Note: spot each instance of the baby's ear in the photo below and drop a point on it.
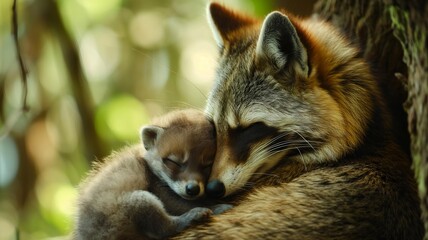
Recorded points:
(149, 135)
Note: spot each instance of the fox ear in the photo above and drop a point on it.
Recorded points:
(224, 21)
(149, 135)
(279, 44)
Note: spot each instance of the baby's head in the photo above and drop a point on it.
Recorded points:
(180, 149)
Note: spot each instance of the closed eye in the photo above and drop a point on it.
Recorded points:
(253, 132)
(243, 137)
(170, 161)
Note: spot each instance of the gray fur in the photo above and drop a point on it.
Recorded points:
(137, 213)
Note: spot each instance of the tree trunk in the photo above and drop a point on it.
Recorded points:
(392, 34)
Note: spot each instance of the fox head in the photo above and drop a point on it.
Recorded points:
(285, 90)
(180, 149)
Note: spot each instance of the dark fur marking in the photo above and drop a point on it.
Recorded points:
(242, 138)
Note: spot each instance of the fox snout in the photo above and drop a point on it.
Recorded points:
(215, 189)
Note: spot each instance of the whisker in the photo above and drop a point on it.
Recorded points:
(303, 160)
(281, 150)
(247, 186)
(267, 174)
(280, 136)
(303, 138)
(283, 147)
(264, 145)
(260, 152)
(287, 143)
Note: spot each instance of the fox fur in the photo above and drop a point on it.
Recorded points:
(304, 142)
(146, 193)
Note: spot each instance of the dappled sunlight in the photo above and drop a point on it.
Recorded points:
(40, 146)
(65, 201)
(63, 125)
(98, 9)
(100, 51)
(9, 161)
(155, 70)
(56, 198)
(8, 229)
(198, 63)
(147, 29)
(52, 68)
(120, 118)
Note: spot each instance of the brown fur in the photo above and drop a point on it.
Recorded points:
(355, 182)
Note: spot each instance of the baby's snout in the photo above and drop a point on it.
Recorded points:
(194, 189)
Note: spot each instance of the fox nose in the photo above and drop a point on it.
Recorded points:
(192, 189)
(215, 189)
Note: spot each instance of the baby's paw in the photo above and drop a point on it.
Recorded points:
(194, 215)
(221, 208)
(198, 214)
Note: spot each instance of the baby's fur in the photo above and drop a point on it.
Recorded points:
(141, 193)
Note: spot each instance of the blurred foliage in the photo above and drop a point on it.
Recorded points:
(138, 59)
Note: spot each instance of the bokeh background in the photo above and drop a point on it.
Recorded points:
(98, 71)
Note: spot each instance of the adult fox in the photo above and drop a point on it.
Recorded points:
(301, 122)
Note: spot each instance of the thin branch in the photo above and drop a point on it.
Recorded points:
(11, 121)
(22, 67)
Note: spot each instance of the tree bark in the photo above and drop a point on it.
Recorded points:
(392, 34)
